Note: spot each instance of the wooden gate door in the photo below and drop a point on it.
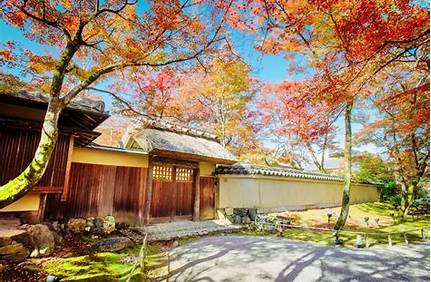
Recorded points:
(207, 197)
(173, 193)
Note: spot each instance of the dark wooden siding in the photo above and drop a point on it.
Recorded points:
(99, 190)
(17, 148)
(207, 197)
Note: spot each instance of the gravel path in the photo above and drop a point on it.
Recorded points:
(246, 258)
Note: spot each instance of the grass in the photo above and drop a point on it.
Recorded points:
(103, 266)
(99, 267)
(380, 229)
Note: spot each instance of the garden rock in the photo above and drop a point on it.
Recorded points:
(252, 213)
(114, 244)
(175, 244)
(221, 214)
(12, 248)
(237, 219)
(42, 239)
(246, 220)
(240, 211)
(108, 224)
(22, 237)
(230, 218)
(228, 211)
(76, 225)
(12, 251)
(98, 226)
(4, 241)
(89, 224)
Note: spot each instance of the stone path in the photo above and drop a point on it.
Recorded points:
(180, 229)
(244, 258)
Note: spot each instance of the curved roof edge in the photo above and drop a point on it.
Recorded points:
(251, 169)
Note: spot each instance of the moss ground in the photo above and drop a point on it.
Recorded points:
(380, 223)
(100, 266)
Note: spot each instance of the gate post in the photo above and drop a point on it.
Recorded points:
(197, 193)
(149, 194)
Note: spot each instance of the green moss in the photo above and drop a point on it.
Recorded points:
(376, 208)
(381, 211)
(106, 266)
(100, 267)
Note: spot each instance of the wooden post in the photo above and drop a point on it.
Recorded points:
(405, 238)
(142, 196)
(174, 194)
(422, 234)
(216, 196)
(42, 205)
(149, 193)
(389, 240)
(65, 193)
(196, 213)
(367, 243)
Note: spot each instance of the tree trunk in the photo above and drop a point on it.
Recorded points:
(342, 218)
(320, 165)
(23, 183)
(407, 198)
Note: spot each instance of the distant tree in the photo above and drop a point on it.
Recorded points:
(10, 83)
(372, 168)
(93, 40)
(218, 98)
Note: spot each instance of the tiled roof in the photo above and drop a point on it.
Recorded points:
(250, 169)
(78, 103)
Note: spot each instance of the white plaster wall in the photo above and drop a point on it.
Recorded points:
(278, 193)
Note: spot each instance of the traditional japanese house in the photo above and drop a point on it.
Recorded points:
(21, 116)
(164, 173)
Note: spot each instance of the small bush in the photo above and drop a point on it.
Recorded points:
(389, 191)
(422, 201)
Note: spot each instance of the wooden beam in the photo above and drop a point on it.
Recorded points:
(196, 209)
(174, 162)
(216, 195)
(67, 173)
(142, 192)
(149, 193)
(48, 189)
(42, 205)
(190, 157)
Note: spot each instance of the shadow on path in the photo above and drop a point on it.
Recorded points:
(246, 258)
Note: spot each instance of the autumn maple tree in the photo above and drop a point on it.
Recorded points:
(300, 124)
(402, 130)
(89, 41)
(218, 99)
(349, 45)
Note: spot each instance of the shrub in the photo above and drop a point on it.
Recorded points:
(389, 191)
(422, 201)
